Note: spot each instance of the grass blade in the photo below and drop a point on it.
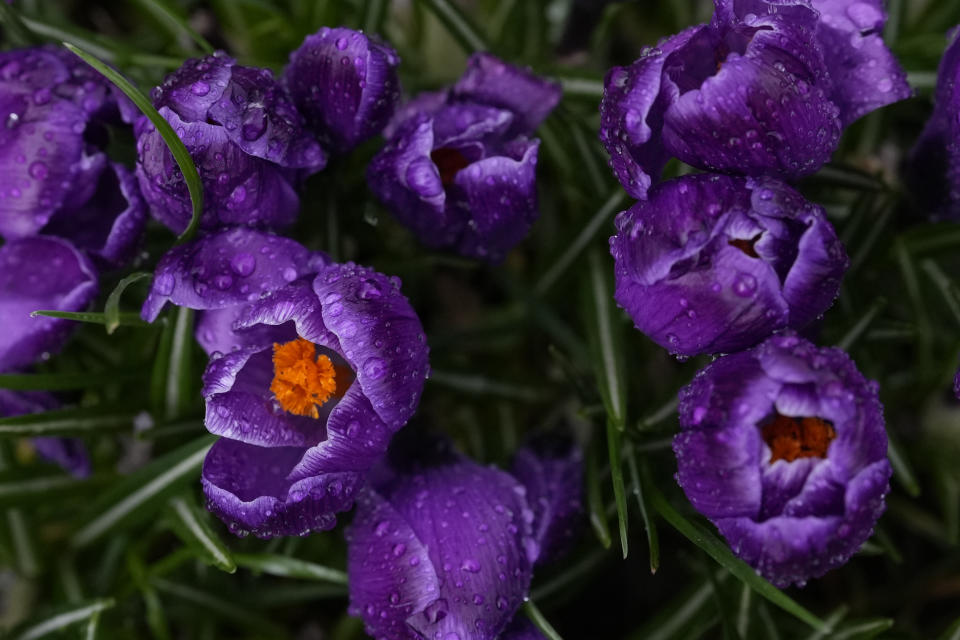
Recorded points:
(33, 491)
(180, 385)
(92, 317)
(177, 26)
(598, 515)
(567, 258)
(14, 29)
(952, 632)
(606, 342)
(111, 310)
(60, 621)
(374, 11)
(66, 422)
(61, 381)
(863, 630)
(725, 558)
(461, 28)
(653, 539)
(902, 470)
(135, 496)
(614, 445)
(224, 608)
(537, 618)
(176, 146)
(287, 567)
(190, 524)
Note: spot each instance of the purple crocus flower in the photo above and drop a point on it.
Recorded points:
(458, 169)
(933, 169)
(57, 180)
(69, 453)
(40, 273)
(783, 448)
(440, 550)
(336, 366)
(713, 264)
(765, 88)
(245, 136)
(345, 85)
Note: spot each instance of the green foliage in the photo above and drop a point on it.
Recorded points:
(532, 343)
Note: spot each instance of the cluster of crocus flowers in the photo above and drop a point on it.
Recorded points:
(443, 547)
(66, 210)
(459, 167)
(782, 445)
(764, 89)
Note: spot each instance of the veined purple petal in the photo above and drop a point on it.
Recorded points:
(345, 84)
(227, 268)
(440, 550)
(40, 273)
(783, 447)
(715, 264)
(491, 81)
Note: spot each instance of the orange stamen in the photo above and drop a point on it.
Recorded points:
(792, 438)
(303, 381)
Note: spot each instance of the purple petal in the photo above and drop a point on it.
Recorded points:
(40, 273)
(473, 523)
(195, 87)
(865, 74)
(426, 102)
(552, 472)
(226, 268)
(345, 84)
(70, 453)
(238, 188)
(216, 334)
(491, 81)
(521, 629)
(110, 224)
(41, 147)
(249, 488)
(631, 115)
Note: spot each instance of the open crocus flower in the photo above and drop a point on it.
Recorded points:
(713, 264)
(220, 273)
(57, 180)
(69, 453)
(441, 551)
(783, 447)
(934, 164)
(765, 88)
(458, 169)
(40, 273)
(345, 85)
(245, 136)
(307, 408)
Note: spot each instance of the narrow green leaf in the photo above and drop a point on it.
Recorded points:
(43, 489)
(191, 526)
(287, 567)
(161, 367)
(598, 515)
(537, 618)
(25, 553)
(60, 621)
(606, 342)
(111, 310)
(616, 476)
(744, 612)
(847, 177)
(177, 26)
(952, 632)
(570, 254)
(862, 324)
(676, 617)
(863, 630)
(90, 631)
(461, 28)
(581, 87)
(653, 539)
(374, 11)
(62, 381)
(128, 319)
(725, 558)
(180, 385)
(156, 618)
(229, 610)
(902, 470)
(569, 576)
(290, 593)
(65, 422)
(176, 146)
(136, 496)
(480, 385)
(948, 289)
(836, 617)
